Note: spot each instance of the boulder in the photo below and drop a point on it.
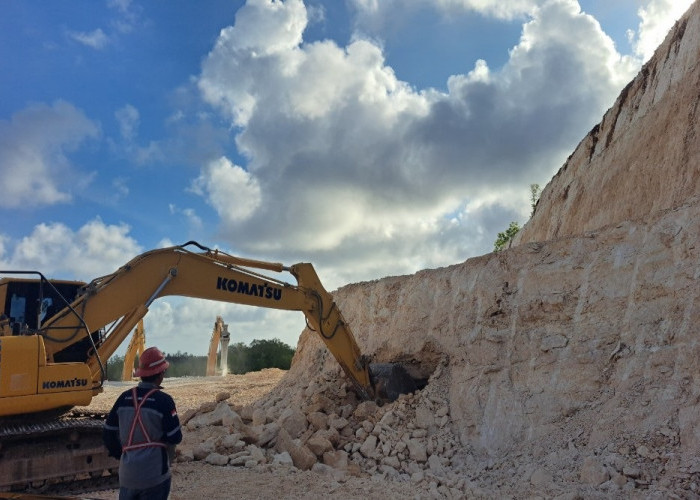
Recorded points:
(293, 421)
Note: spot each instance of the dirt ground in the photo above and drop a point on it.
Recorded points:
(201, 480)
(190, 392)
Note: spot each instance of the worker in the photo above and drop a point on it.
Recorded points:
(142, 430)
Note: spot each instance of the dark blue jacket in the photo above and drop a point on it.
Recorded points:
(144, 464)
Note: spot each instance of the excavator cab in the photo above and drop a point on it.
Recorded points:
(26, 302)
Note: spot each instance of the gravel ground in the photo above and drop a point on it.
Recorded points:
(201, 480)
(190, 392)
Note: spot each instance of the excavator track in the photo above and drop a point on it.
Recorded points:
(37, 456)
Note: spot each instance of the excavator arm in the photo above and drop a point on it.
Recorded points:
(117, 302)
(221, 336)
(136, 346)
(214, 346)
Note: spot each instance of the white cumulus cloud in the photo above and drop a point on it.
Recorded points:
(361, 164)
(57, 251)
(231, 190)
(34, 153)
(657, 18)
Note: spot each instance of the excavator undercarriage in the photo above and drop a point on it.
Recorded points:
(47, 450)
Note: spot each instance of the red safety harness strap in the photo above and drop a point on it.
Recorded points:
(130, 445)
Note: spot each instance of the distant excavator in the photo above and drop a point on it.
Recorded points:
(220, 335)
(137, 345)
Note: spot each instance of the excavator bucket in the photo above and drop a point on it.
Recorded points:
(390, 380)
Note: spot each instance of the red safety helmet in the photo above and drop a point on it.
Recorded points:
(151, 362)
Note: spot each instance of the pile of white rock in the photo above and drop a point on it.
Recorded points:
(332, 432)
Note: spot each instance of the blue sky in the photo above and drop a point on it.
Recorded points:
(369, 137)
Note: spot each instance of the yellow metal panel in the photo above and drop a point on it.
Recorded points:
(18, 365)
(41, 402)
(64, 377)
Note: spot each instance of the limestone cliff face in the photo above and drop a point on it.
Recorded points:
(602, 329)
(573, 356)
(642, 157)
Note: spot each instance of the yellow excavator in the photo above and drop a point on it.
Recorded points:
(219, 335)
(136, 346)
(55, 337)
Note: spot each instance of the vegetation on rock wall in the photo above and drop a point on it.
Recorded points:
(506, 236)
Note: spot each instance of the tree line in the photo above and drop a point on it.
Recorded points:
(241, 359)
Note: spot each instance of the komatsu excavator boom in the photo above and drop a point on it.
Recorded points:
(55, 336)
(58, 360)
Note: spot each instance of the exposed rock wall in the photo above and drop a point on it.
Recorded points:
(642, 157)
(566, 365)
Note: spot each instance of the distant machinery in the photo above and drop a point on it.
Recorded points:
(137, 345)
(221, 336)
